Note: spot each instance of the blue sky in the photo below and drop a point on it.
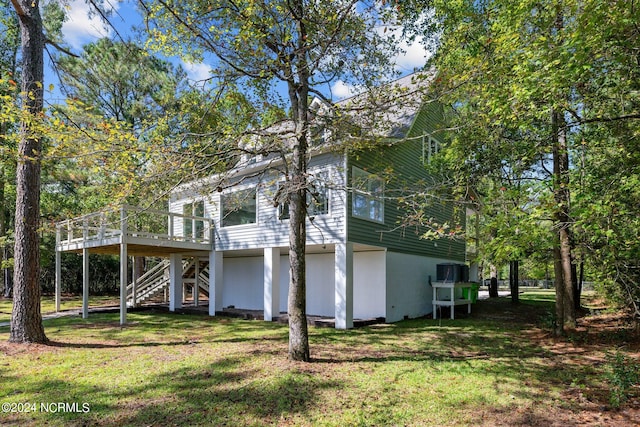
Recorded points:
(82, 27)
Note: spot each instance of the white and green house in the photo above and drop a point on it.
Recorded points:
(230, 244)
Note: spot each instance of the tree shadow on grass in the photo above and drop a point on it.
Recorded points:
(224, 393)
(227, 392)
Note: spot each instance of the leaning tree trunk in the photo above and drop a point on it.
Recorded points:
(26, 319)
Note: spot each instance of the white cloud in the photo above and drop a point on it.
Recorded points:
(411, 55)
(81, 26)
(341, 90)
(197, 72)
(414, 55)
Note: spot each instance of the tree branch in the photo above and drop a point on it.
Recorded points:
(60, 48)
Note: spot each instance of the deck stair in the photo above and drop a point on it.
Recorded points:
(155, 282)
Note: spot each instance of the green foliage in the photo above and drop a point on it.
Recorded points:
(122, 81)
(623, 373)
(503, 68)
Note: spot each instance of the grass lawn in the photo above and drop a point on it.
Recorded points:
(498, 366)
(48, 304)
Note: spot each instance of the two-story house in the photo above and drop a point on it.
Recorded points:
(362, 260)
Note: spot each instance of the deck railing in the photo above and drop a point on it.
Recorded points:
(134, 222)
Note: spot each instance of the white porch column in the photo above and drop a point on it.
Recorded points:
(85, 270)
(196, 284)
(134, 281)
(271, 283)
(215, 281)
(123, 282)
(344, 285)
(124, 253)
(85, 283)
(175, 281)
(58, 269)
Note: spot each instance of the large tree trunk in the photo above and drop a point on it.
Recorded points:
(298, 95)
(298, 333)
(558, 327)
(26, 319)
(563, 222)
(493, 282)
(6, 292)
(514, 280)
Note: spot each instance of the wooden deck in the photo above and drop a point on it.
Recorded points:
(146, 232)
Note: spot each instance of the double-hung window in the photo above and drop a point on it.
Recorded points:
(430, 147)
(191, 227)
(239, 207)
(317, 200)
(368, 195)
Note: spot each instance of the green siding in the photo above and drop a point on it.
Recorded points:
(401, 163)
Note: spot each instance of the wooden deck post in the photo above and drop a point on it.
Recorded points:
(271, 283)
(344, 285)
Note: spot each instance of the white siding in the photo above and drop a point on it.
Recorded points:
(243, 283)
(408, 290)
(369, 284)
(269, 231)
(320, 284)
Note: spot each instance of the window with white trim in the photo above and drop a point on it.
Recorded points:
(368, 195)
(189, 225)
(317, 200)
(430, 147)
(239, 208)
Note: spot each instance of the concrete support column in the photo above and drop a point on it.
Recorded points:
(215, 282)
(271, 283)
(85, 283)
(344, 285)
(175, 281)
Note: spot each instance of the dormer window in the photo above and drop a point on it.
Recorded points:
(430, 147)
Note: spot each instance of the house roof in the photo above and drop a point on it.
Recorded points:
(388, 110)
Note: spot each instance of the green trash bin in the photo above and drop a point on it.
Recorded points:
(474, 292)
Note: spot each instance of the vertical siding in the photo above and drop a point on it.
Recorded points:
(404, 162)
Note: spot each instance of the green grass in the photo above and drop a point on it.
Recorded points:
(48, 305)
(170, 369)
